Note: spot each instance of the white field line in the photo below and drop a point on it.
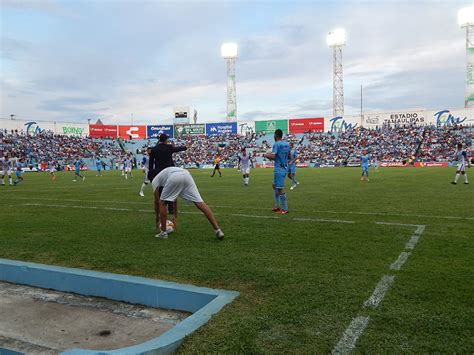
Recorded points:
(266, 209)
(411, 244)
(380, 290)
(184, 212)
(322, 220)
(402, 258)
(401, 225)
(349, 339)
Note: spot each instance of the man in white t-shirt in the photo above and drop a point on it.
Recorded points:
(176, 182)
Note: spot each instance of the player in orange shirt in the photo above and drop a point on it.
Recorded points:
(217, 167)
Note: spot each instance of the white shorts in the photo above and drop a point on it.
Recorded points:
(461, 167)
(52, 170)
(128, 170)
(246, 170)
(180, 184)
(7, 172)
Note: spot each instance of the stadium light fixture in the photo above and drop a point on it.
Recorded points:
(336, 39)
(466, 16)
(466, 21)
(229, 52)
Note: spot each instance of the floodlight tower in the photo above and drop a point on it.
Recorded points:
(229, 53)
(336, 39)
(466, 20)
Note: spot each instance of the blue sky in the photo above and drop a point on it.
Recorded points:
(70, 60)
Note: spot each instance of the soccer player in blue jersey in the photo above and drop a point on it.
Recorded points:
(99, 166)
(77, 170)
(364, 162)
(18, 172)
(280, 154)
(292, 166)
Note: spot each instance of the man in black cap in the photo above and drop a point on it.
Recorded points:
(161, 157)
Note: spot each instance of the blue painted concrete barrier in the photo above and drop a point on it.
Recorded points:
(202, 302)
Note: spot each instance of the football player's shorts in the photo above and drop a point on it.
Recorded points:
(7, 171)
(461, 167)
(128, 169)
(279, 179)
(292, 170)
(180, 184)
(246, 171)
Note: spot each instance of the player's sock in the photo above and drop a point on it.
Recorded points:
(10, 180)
(465, 179)
(126, 176)
(277, 198)
(283, 202)
(456, 178)
(143, 188)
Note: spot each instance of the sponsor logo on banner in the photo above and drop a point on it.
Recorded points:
(445, 118)
(132, 132)
(103, 131)
(396, 119)
(269, 127)
(302, 125)
(431, 164)
(32, 128)
(338, 124)
(221, 128)
(73, 131)
(391, 163)
(189, 129)
(156, 131)
(245, 128)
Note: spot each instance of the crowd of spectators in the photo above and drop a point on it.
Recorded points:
(49, 147)
(385, 144)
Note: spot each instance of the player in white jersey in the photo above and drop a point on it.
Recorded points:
(245, 163)
(463, 160)
(178, 182)
(128, 162)
(6, 169)
(52, 169)
(145, 163)
(122, 165)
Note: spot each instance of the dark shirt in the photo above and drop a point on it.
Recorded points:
(161, 157)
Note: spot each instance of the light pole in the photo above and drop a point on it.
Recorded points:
(466, 20)
(229, 53)
(336, 39)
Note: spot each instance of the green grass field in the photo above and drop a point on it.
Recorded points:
(302, 277)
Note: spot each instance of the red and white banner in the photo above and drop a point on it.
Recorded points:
(102, 131)
(302, 125)
(391, 163)
(431, 163)
(132, 132)
(302, 165)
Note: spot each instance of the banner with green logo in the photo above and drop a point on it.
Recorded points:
(189, 130)
(269, 127)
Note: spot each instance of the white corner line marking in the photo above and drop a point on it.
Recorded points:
(322, 220)
(412, 242)
(380, 290)
(402, 258)
(349, 339)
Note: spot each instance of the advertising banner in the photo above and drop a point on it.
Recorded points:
(302, 125)
(446, 117)
(189, 130)
(245, 127)
(102, 131)
(391, 163)
(72, 129)
(393, 119)
(430, 164)
(221, 128)
(269, 127)
(156, 131)
(132, 132)
(469, 89)
(341, 124)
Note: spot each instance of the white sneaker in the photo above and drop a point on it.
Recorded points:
(162, 235)
(297, 183)
(219, 234)
(142, 194)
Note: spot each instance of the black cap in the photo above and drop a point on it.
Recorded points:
(163, 137)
